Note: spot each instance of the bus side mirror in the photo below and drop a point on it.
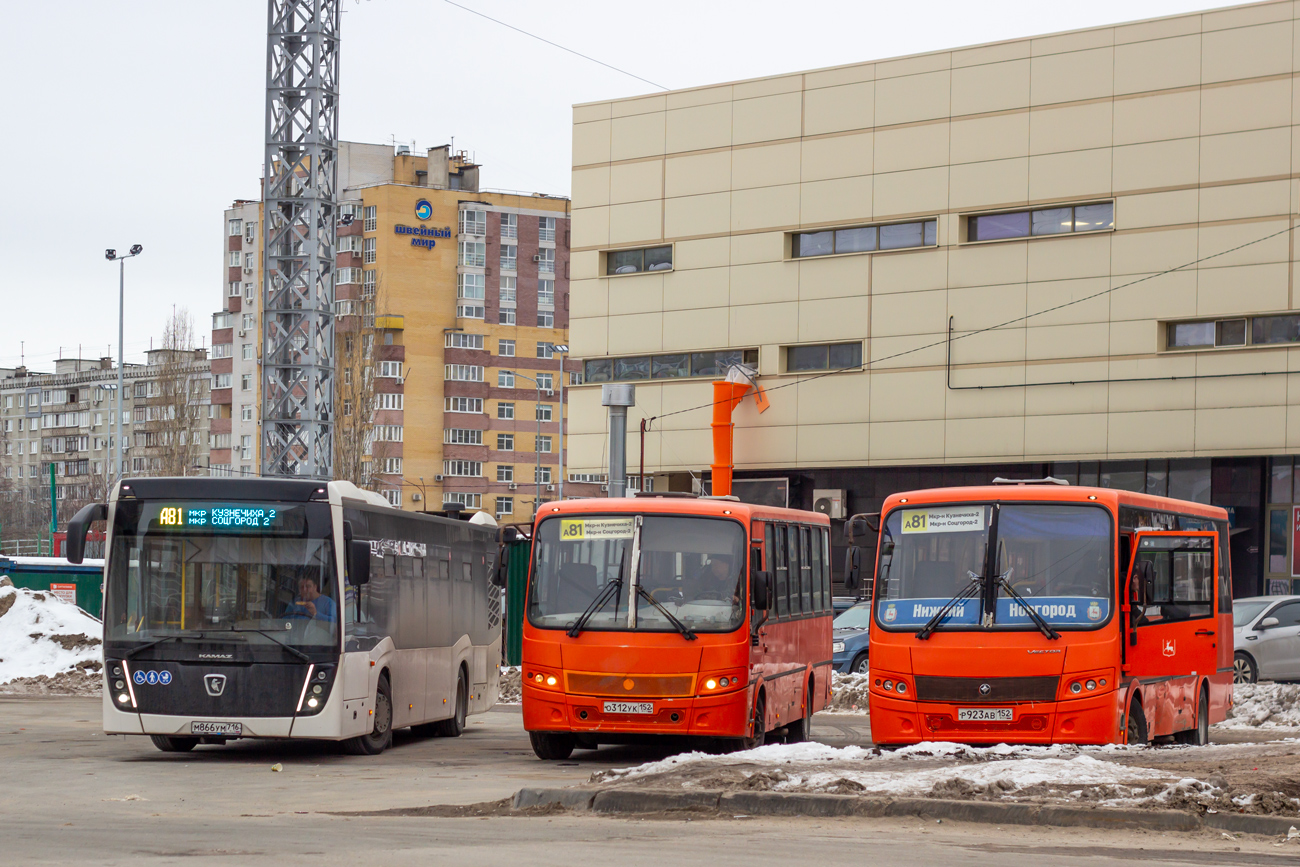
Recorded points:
(761, 584)
(509, 534)
(861, 526)
(498, 578)
(358, 562)
(75, 547)
(1143, 584)
(852, 568)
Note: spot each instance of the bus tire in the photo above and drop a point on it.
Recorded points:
(1244, 669)
(800, 730)
(1135, 724)
(381, 735)
(453, 726)
(861, 664)
(1199, 736)
(552, 746)
(169, 744)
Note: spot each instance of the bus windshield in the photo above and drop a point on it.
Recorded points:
(1057, 558)
(692, 566)
(181, 569)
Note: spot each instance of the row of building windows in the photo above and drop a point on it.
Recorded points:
(1044, 221)
(1241, 331)
(865, 239)
(824, 356)
(505, 348)
(671, 366)
(634, 261)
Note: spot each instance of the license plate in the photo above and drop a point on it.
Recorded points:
(984, 714)
(629, 707)
(216, 728)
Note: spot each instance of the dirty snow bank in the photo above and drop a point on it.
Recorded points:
(511, 689)
(1264, 705)
(47, 646)
(849, 692)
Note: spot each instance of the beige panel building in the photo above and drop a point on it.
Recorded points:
(1070, 254)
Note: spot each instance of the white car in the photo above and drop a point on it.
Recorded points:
(1266, 638)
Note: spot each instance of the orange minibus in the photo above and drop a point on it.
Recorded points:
(674, 616)
(1037, 612)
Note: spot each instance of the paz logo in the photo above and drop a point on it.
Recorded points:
(1169, 647)
(423, 210)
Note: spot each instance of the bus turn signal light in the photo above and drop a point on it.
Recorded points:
(1084, 683)
(542, 679)
(713, 683)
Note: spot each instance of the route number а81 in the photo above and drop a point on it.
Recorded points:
(914, 522)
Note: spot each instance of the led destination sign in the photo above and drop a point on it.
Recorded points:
(225, 518)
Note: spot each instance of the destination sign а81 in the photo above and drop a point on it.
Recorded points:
(225, 518)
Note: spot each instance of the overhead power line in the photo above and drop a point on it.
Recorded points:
(978, 331)
(555, 44)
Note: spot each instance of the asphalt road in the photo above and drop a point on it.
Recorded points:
(71, 795)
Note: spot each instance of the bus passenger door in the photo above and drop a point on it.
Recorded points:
(1172, 630)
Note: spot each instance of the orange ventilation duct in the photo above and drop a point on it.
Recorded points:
(726, 397)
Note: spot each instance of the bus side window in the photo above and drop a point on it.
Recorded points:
(816, 544)
(1225, 568)
(806, 569)
(782, 574)
(796, 568)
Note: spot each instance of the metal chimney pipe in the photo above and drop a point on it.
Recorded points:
(618, 397)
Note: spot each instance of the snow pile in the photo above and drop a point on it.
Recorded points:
(511, 689)
(849, 692)
(1264, 705)
(46, 645)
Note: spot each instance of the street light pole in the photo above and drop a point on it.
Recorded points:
(562, 349)
(111, 255)
(537, 470)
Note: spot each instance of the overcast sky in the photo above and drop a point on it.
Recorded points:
(139, 121)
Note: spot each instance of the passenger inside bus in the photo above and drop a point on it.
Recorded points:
(311, 603)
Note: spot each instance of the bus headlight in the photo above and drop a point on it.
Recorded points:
(1076, 684)
(124, 698)
(316, 688)
(542, 679)
(712, 684)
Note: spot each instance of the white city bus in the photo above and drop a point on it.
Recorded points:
(284, 608)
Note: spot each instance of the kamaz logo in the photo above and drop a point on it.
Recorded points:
(216, 656)
(215, 684)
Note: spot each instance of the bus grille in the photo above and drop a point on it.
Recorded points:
(630, 684)
(1000, 689)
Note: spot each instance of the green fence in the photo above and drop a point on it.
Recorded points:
(516, 579)
(83, 584)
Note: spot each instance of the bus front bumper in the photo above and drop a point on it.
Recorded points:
(725, 715)
(1078, 721)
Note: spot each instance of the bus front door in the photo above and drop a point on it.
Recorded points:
(1173, 630)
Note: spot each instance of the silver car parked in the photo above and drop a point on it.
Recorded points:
(1266, 638)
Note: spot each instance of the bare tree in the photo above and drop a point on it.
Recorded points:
(360, 447)
(176, 392)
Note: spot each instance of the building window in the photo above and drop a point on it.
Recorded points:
(546, 260)
(508, 290)
(463, 372)
(505, 379)
(249, 321)
(470, 311)
(393, 495)
(222, 320)
(388, 400)
(246, 447)
(824, 356)
(546, 229)
(392, 466)
(473, 222)
(349, 209)
(509, 257)
(506, 348)
(368, 251)
(1241, 331)
(575, 378)
(473, 254)
(390, 368)
(545, 350)
(507, 316)
(372, 223)
(223, 350)
(367, 283)
(673, 366)
(545, 319)
(470, 286)
(233, 289)
(509, 226)
(461, 340)
(546, 293)
(544, 411)
(463, 404)
(865, 239)
(246, 412)
(633, 261)
(462, 468)
(387, 433)
(1044, 221)
(349, 275)
(235, 227)
(246, 351)
(250, 232)
(462, 436)
(505, 443)
(469, 501)
(505, 506)
(505, 473)
(542, 474)
(246, 382)
(221, 380)
(505, 409)
(544, 381)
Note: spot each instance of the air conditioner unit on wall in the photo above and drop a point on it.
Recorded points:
(415, 498)
(242, 332)
(830, 502)
(550, 487)
(514, 486)
(437, 478)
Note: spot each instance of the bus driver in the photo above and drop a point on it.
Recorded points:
(311, 603)
(716, 581)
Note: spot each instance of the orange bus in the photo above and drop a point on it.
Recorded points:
(670, 615)
(1043, 613)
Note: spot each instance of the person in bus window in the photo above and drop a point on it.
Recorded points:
(311, 603)
(718, 581)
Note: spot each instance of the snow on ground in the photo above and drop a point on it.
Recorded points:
(1264, 705)
(46, 645)
(849, 692)
(511, 691)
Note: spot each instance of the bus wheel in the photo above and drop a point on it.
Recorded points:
(1199, 736)
(861, 664)
(451, 728)
(1136, 725)
(381, 736)
(1244, 669)
(174, 745)
(552, 746)
(800, 730)
(760, 721)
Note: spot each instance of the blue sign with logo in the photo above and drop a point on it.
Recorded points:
(164, 677)
(1056, 610)
(138, 677)
(423, 210)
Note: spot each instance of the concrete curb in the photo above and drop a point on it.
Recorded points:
(632, 801)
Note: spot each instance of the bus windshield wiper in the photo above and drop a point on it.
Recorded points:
(1042, 624)
(677, 624)
(133, 651)
(295, 651)
(975, 586)
(601, 598)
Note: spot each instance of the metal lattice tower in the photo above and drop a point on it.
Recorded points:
(299, 214)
